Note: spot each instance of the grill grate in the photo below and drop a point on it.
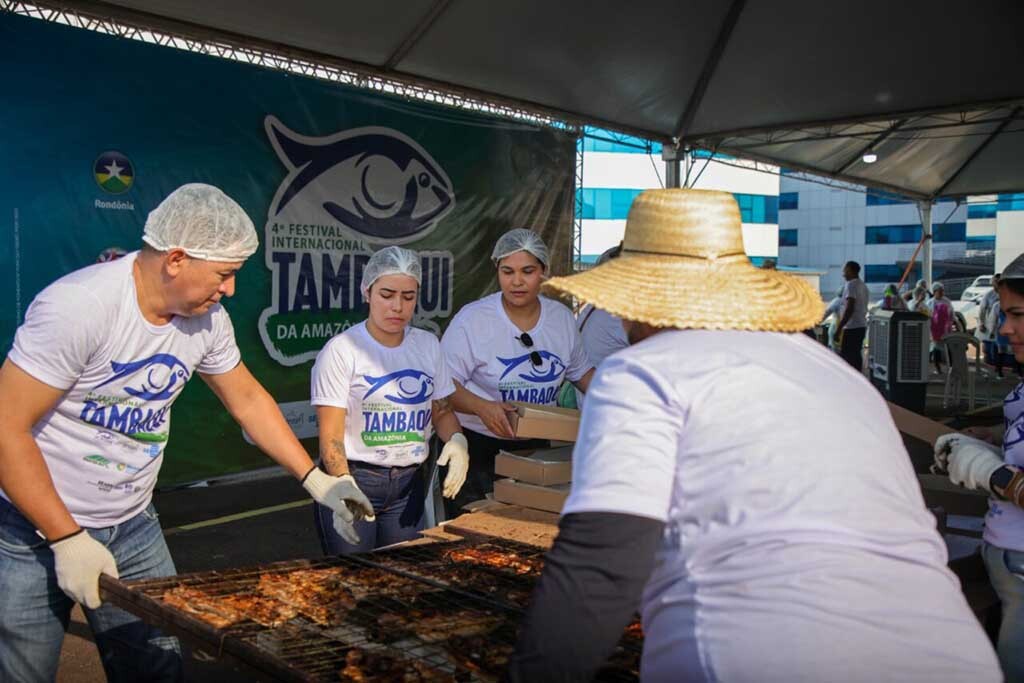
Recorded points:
(431, 612)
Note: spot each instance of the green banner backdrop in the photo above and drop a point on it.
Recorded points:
(96, 130)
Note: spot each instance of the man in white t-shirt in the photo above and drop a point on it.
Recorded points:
(740, 485)
(853, 316)
(87, 391)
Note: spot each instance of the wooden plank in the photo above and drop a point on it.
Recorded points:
(515, 523)
(918, 426)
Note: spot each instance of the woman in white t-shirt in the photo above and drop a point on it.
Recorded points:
(380, 389)
(513, 345)
(999, 471)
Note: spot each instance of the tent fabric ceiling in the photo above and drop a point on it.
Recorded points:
(795, 82)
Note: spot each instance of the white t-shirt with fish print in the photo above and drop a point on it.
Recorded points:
(485, 354)
(103, 441)
(387, 393)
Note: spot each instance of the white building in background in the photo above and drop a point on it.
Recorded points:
(617, 168)
(823, 226)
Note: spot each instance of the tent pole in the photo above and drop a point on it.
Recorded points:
(671, 155)
(926, 235)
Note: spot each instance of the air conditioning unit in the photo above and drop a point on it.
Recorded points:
(898, 344)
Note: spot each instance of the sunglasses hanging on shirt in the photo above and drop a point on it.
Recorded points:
(527, 341)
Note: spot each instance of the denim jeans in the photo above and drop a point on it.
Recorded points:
(34, 611)
(1006, 572)
(397, 495)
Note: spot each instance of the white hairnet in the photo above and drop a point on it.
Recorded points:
(204, 222)
(391, 261)
(1014, 270)
(520, 239)
(938, 285)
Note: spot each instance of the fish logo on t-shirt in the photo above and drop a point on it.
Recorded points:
(160, 375)
(407, 387)
(550, 369)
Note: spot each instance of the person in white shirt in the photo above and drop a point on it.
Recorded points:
(853, 318)
(513, 345)
(740, 484)
(87, 392)
(988, 318)
(381, 388)
(999, 471)
(601, 332)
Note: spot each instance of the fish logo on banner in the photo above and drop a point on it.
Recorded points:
(344, 196)
(377, 182)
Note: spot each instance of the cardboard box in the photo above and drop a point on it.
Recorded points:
(543, 467)
(548, 498)
(545, 422)
(918, 426)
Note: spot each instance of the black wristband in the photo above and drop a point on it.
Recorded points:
(64, 538)
(306, 475)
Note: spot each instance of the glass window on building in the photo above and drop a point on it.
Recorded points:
(788, 238)
(889, 273)
(789, 200)
(911, 234)
(982, 210)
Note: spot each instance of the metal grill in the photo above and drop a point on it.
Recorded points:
(415, 614)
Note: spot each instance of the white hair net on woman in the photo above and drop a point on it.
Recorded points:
(520, 239)
(390, 261)
(204, 222)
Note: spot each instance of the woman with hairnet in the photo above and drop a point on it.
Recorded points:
(998, 470)
(513, 345)
(380, 388)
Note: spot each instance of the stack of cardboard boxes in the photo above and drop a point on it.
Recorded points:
(538, 479)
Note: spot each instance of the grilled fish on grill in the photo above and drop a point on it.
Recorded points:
(211, 609)
(498, 558)
(315, 593)
(365, 666)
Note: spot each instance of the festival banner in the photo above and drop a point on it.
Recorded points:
(98, 129)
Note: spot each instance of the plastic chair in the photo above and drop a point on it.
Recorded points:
(956, 344)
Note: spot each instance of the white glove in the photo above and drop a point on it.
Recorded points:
(455, 455)
(79, 560)
(971, 463)
(947, 444)
(342, 495)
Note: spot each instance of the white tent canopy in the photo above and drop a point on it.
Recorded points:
(933, 87)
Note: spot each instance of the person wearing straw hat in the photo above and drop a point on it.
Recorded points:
(380, 389)
(513, 345)
(740, 483)
(87, 391)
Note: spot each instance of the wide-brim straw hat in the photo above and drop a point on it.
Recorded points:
(683, 265)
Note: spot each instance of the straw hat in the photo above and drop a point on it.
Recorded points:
(683, 265)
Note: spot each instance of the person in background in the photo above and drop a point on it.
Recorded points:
(700, 494)
(513, 345)
(988, 323)
(600, 331)
(380, 388)
(892, 301)
(941, 323)
(919, 301)
(853, 319)
(87, 392)
(999, 471)
(920, 285)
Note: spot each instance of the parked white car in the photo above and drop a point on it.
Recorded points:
(981, 286)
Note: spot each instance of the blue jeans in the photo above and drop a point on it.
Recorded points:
(1006, 572)
(34, 611)
(397, 495)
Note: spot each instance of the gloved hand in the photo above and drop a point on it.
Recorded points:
(947, 444)
(455, 455)
(972, 467)
(79, 560)
(342, 495)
